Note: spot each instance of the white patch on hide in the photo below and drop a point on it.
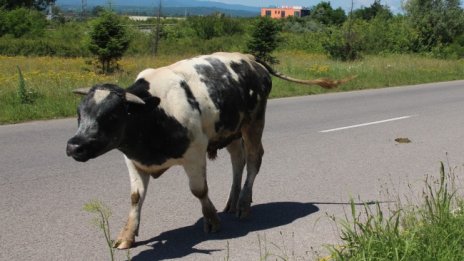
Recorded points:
(100, 95)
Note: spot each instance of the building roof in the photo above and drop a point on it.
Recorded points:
(287, 7)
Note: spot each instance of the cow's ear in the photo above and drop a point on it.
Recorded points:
(81, 91)
(133, 99)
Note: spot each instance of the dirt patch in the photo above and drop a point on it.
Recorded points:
(403, 140)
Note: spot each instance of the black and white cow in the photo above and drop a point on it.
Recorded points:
(176, 115)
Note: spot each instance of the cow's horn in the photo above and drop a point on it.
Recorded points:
(133, 99)
(81, 91)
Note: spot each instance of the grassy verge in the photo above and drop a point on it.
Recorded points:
(54, 78)
(372, 72)
(434, 230)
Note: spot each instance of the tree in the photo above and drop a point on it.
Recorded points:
(97, 10)
(344, 43)
(437, 22)
(36, 4)
(21, 22)
(265, 39)
(325, 14)
(374, 10)
(108, 40)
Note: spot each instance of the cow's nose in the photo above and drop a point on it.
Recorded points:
(72, 149)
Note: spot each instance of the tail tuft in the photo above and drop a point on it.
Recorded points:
(323, 82)
(330, 84)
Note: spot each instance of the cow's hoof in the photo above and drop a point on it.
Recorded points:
(211, 225)
(243, 210)
(123, 244)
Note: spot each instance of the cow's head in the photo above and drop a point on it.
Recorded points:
(102, 118)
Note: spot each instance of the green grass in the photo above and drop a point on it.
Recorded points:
(53, 78)
(432, 230)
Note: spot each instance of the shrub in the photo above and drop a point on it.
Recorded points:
(108, 40)
(325, 14)
(22, 22)
(36, 4)
(311, 42)
(435, 21)
(264, 39)
(381, 35)
(302, 25)
(343, 44)
(215, 25)
(454, 50)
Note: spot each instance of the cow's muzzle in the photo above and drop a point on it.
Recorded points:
(78, 150)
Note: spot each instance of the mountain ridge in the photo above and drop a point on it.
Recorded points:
(170, 3)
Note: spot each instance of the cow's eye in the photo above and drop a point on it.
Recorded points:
(111, 118)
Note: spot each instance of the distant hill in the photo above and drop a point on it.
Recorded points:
(170, 7)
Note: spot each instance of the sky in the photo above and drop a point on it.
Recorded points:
(395, 5)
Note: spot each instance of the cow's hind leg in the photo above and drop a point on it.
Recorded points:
(196, 172)
(252, 134)
(139, 182)
(237, 157)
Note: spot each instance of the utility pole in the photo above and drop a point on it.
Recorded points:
(110, 5)
(157, 31)
(83, 8)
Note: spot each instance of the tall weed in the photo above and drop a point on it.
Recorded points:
(433, 230)
(25, 95)
(101, 220)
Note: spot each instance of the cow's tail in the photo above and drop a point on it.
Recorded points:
(323, 82)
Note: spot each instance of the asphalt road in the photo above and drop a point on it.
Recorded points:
(320, 151)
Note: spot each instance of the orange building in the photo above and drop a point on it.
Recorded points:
(284, 11)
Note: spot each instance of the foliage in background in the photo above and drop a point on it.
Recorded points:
(344, 44)
(22, 22)
(437, 22)
(380, 35)
(215, 25)
(325, 14)
(432, 27)
(376, 9)
(264, 39)
(35, 4)
(108, 40)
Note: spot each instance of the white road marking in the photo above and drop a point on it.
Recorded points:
(368, 123)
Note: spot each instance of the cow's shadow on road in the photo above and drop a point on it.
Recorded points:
(181, 242)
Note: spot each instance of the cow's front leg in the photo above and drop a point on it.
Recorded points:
(139, 182)
(195, 167)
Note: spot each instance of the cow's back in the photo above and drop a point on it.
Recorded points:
(220, 90)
